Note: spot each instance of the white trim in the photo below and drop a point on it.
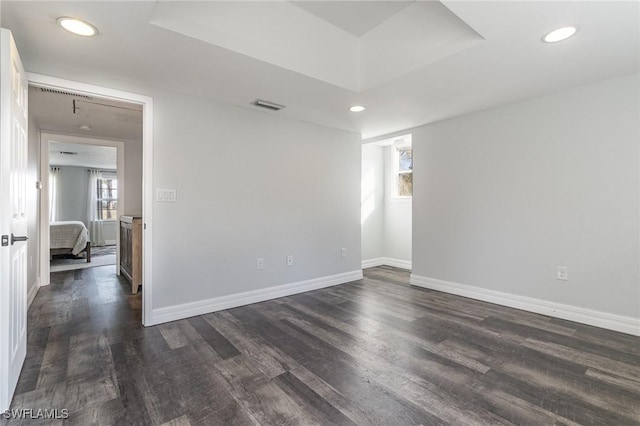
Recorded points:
(32, 293)
(372, 263)
(186, 310)
(609, 321)
(43, 229)
(147, 211)
(388, 261)
(112, 242)
(147, 168)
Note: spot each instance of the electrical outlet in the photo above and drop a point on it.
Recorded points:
(562, 273)
(290, 260)
(260, 263)
(343, 252)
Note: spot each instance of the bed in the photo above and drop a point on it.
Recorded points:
(69, 237)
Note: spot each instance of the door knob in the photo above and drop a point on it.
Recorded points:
(14, 238)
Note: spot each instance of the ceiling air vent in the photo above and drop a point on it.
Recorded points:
(268, 105)
(62, 92)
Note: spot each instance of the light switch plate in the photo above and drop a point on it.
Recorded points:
(166, 195)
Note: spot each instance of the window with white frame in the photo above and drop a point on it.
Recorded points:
(403, 171)
(108, 196)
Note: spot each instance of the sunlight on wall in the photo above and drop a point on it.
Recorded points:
(367, 199)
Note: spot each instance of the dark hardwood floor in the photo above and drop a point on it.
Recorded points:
(375, 351)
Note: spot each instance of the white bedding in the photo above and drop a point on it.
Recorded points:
(71, 235)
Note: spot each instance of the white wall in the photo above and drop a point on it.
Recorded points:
(33, 207)
(73, 191)
(397, 217)
(504, 196)
(133, 177)
(372, 200)
(249, 184)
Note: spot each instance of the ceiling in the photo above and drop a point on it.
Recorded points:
(65, 112)
(82, 155)
(408, 62)
(399, 37)
(354, 17)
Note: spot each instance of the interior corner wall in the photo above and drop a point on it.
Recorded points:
(33, 206)
(372, 201)
(504, 196)
(397, 217)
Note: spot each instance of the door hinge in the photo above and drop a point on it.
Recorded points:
(5, 240)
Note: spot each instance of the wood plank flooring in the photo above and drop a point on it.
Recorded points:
(372, 352)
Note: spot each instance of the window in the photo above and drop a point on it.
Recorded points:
(108, 197)
(404, 171)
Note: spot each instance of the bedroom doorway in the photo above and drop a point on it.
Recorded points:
(85, 181)
(137, 194)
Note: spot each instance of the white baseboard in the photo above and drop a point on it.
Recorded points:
(186, 310)
(372, 263)
(397, 263)
(109, 242)
(389, 261)
(32, 292)
(619, 323)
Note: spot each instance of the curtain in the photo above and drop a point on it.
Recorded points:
(94, 221)
(54, 187)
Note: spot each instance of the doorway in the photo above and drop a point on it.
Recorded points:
(85, 181)
(136, 172)
(386, 202)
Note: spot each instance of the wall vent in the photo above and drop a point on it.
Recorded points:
(62, 92)
(68, 153)
(268, 105)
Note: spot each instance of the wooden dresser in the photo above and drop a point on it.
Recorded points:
(131, 250)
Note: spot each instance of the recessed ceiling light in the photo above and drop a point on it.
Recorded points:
(559, 34)
(85, 127)
(357, 108)
(77, 26)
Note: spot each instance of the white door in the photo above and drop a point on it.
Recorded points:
(13, 217)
